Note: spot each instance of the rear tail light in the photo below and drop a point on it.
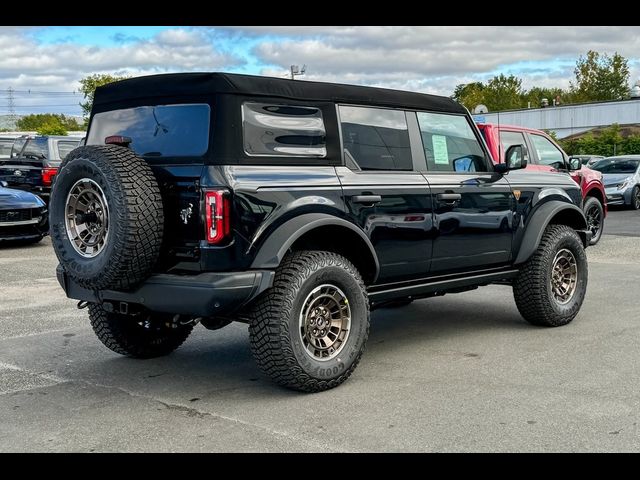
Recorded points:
(217, 215)
(48, 175)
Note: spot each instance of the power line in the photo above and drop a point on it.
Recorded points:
(47, 105)
(11, 105)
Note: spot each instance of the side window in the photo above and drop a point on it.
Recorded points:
(65, 147)
(17, 147)
(450, 144)
(508, 138)
(283, 131)
(548, 153)
(375, 138)
(5, 147)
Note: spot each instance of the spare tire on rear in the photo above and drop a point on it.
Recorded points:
(106, 217)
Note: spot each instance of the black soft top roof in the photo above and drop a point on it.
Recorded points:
(199, 84)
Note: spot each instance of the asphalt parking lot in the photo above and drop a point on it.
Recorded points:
(458, 373)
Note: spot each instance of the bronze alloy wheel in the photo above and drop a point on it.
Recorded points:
(87, 218)
(324, 322)
(564, 276)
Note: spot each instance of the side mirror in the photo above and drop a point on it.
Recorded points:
(514, 159)
(574, 164)
(3, 184)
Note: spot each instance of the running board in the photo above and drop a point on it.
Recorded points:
(441, 286)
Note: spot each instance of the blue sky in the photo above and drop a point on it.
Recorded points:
(43, 64)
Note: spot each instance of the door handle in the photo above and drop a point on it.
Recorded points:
(449, 197)
(368, 199)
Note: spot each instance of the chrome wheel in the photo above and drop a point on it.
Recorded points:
(324, 322)
(594, 220)
(564, 276)
(636, 198)
(87, 218)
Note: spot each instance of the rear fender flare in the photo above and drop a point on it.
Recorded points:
(273, 250)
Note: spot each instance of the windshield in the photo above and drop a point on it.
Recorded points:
(625, 165)
(156, 131)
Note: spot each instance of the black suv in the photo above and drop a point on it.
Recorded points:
(34, 160)
(296, 207)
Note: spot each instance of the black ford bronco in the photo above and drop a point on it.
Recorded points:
(297, 207)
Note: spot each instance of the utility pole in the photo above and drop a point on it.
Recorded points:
(295, 70)
(12, 107)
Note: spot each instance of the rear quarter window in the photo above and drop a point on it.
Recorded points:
(271, 130)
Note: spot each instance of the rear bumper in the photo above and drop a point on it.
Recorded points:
(205, 294)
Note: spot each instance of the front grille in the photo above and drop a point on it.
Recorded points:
(15, 215)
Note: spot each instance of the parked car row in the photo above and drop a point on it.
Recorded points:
(32, 161)
(28, 166)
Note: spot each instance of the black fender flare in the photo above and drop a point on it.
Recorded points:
(273, 250)
(539, 221)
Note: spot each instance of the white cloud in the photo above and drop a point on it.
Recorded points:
(439, 50)
(425, 59)
(24, 63)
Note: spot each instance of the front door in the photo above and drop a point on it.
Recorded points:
(473, 206)
(383, 193)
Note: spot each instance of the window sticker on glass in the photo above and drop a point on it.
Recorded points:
(440, 153)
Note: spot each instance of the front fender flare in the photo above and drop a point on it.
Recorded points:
(539, 221)
(273, 250)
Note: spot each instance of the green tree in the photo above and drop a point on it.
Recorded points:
(607, 142)
(469, 94)
(52, 127)
(503, 92)
(88, 87)
(600, 77)
(499, 93)
(38, 120)
(535, 95)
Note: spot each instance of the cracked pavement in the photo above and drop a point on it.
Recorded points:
(458, 373)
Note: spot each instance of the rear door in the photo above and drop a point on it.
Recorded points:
(473, 206)
(383, 192)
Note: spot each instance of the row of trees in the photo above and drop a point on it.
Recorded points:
(58, 124)
(608, 142)
(598, 77)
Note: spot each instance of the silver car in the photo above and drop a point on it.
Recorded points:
(621, 178)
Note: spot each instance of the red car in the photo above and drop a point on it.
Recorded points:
(546, 155)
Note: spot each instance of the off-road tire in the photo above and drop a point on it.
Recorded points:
(124, 335)
(274, 322)
(532, 289)
(594, 203)
(136, 218)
